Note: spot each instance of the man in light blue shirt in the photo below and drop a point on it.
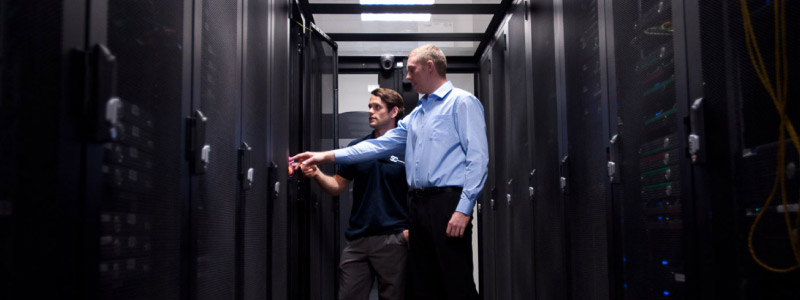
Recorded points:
(447, 157)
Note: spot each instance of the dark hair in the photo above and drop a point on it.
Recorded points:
(392, 99)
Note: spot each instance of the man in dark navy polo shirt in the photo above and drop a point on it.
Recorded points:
(377, 237)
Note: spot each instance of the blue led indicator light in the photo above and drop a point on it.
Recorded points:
(624, 259)
(625, 285)
(664, 262)
(666, 293)
(660, 217)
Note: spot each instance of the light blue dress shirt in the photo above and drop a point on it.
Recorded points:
(445, 143)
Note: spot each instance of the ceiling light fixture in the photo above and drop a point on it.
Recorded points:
(396, 17)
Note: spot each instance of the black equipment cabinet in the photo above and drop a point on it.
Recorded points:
(313, 244)
(500, 126)
(654, 145)
(697, 147)
(278, 83)
(549, 245)
(736, 160)
(486, 202)
(519, 194)
(322, 211)
(496, 211)
(39, 182)
(586, 186)
(137, 184)
(216, 195)
(143, 158)
(654, 194)
(254, 163)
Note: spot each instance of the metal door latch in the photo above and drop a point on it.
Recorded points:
(250, 176)
(199, 152)
(612, 170)
(694, 144)
(245, 171)
(205, 156)
(698, 130)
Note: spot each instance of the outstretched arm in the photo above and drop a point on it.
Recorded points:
(331, 185)
(313, 158)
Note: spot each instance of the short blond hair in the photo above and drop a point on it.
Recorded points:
(430, 52)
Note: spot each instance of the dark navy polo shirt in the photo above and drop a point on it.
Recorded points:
(379, 195)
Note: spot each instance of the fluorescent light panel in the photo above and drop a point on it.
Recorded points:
(396, 17)
(396, 2)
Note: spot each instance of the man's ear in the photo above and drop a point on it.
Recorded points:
(395, 111)
(431, 66)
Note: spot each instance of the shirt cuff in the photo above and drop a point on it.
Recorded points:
(465, 206)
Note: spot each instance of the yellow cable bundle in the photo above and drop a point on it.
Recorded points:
(779, 97)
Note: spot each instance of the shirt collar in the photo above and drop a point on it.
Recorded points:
(439, 93)
(443, 90)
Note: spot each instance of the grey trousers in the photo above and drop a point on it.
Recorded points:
(363, 259)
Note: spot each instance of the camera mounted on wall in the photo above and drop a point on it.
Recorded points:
(387, 62)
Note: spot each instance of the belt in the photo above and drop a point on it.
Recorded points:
(429, 191)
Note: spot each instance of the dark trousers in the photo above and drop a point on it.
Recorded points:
(439, 267)
(363, 259)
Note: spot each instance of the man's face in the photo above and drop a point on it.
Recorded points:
(379, 114)
(417, 74)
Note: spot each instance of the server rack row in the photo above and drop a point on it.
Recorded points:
(652, 147)
(146, 149)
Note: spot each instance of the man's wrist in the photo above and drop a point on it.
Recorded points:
(331, 156)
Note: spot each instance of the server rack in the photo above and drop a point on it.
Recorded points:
(319, 109)
(133, 93)
(654, 196)
(279, 81)
(486, 203)
(738, 156)
(136, 184)
(503, 128)
(314, 235)
(588, 200)
(255, 234)
(297, 244)
(520, 204)
(38, 187)
(498, 126)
